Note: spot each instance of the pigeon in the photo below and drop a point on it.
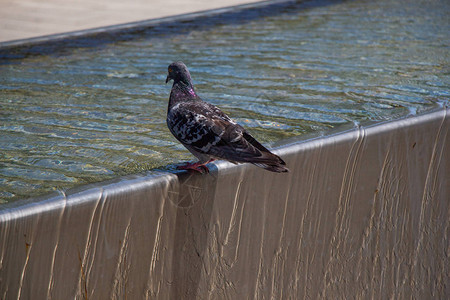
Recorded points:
(207, 132)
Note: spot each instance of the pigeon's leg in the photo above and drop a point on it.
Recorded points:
(198, 166)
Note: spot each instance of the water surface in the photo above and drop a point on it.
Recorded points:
(99, 112)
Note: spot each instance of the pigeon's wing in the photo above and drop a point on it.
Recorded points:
(206, 129)
(190, 124)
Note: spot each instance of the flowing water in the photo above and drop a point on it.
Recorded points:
(95, 113)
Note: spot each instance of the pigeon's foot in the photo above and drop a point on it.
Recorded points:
(198, 167)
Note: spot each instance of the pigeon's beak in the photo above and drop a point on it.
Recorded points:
(168, 78)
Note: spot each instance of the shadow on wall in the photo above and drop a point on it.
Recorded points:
(194, 197)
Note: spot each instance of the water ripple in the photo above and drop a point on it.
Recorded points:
(95, 113)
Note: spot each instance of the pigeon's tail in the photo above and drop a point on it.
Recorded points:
(278, 168)
(271, 162)
(267, 160)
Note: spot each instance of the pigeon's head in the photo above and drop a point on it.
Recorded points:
(179, 72)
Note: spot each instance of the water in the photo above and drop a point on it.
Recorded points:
(99, 112)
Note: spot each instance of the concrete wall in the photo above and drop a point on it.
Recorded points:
(362, 214)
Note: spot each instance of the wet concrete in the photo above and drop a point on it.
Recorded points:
(363, 214)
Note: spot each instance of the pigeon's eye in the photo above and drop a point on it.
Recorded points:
(170, 70)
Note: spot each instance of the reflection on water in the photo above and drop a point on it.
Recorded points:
(99, 112)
